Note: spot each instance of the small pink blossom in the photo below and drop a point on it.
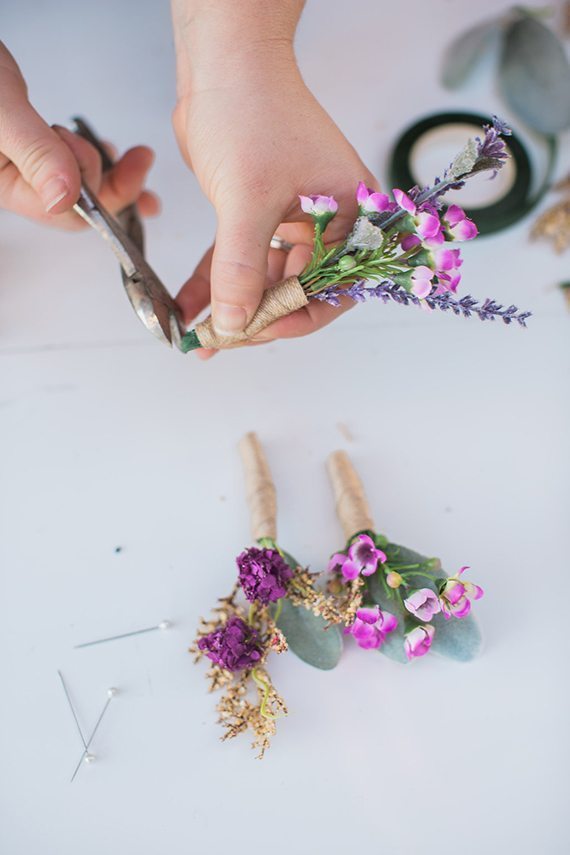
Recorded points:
(371, 202)
(447, 263)
(423, 604)
(456, 596)
(371, 627)
(428, 225)
(422, 281)
(403, 201)
(459, 226)
(418, 641)
(409, 241)
(363, 557)
(321, 208)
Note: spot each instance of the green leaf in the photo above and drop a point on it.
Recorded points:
(457, 638)
(465, 52)
(535, 76)
(307, 634)
(308, 637)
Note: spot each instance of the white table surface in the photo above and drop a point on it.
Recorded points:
(109, 439)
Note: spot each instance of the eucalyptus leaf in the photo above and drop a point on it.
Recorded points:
(309, 638)
(457, 638)
(535, 75)
(467, 50)
(307, 634)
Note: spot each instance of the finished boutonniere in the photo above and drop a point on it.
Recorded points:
(402, 248)
(409, 605)
(275, 606)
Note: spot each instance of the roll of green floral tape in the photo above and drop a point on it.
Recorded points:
(509, 208)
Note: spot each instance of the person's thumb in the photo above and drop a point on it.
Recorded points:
(45, 162)
(239, 266)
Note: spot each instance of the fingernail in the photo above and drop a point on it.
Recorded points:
(53, 192)
(229, 319)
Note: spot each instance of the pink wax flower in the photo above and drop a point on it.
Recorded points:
(321, 208)
(371, 202)
(423, 604)
(422, 281)
(447, 263)
(403, 201)
(456, 596)
(418, 641)
(371, 627)
(428, 225)
(458, 225)
(409, 241)
(363, 557)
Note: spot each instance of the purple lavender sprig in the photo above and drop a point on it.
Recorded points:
(478, 155)
(488, 310)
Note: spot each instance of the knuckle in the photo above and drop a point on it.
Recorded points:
(36, 156)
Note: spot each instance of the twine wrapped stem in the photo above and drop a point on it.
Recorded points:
(260, 489)
(281, 299)
(351, 503)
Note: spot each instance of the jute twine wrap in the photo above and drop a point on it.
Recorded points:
(260, 488)
(351, 503)
(277, 301)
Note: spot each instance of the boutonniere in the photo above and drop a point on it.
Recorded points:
(401, 248)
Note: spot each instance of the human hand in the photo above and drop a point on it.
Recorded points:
(256, 138)
(41, 168)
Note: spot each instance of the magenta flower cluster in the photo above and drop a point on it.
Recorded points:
(362, 558)
(432, 230)
(372, 624)
(234, 646)
(263, 574)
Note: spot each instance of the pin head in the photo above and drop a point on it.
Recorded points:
(164, 624)
(89, 758)
(111, 692)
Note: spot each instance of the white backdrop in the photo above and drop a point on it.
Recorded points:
(460, 428)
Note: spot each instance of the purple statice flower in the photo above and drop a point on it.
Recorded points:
(263, 574)
(371, 202)
(362, 558)
(234, 646)
(417, 641)
(423, 604)
(456, 596)
(371, 627)
(321, 208)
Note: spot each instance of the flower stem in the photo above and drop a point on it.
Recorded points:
(265, 688)
(419, 573)
(278, 609)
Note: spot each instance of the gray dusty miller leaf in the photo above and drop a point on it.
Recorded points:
(535, 76)
(308, 636)
(467, 50)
